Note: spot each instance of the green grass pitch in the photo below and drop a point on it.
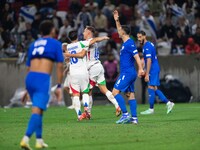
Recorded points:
(179, 130)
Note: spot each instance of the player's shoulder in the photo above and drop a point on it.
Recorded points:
(148, 45)
(130, 43)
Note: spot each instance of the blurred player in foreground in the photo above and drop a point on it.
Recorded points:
(79, 79)
(96, 70)
(128, 74)
(41, 56)
(152, 74)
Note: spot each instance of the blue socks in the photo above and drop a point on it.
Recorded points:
(35, 125)
(151, 97)
(38, 131)
(133, 107)
(121, 103)
(161, 96)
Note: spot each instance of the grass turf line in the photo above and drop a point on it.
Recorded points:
(177, 130)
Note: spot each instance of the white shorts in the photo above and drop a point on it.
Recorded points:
(96, 75)
(79, 83)
(66, 82)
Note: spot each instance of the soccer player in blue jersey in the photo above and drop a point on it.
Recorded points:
(152, 74)
(128, 74)
(41, 56)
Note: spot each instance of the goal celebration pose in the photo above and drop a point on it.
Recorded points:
(128, 74)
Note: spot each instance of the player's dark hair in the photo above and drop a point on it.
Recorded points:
(142, 32)
(73, 35)
(91, 28)
(126, 29)
(45, 27)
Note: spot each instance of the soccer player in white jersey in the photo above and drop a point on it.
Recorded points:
(79, 79)
(96, 70)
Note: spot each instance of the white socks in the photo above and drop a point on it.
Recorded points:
(77, 105)
(26, 138)
(112, 99)
(85, 100)
(90, 104)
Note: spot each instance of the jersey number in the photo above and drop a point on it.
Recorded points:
(96, 54)
(39, 50)
(73, 60)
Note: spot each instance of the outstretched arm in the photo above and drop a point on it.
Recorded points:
(98, 39)
(118, 25)
(77, 55)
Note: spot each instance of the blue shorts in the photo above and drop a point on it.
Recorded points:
(38, 87)
(154, 79)
(125, 82)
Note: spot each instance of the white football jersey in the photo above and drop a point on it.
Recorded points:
(78, 65)
(92, 54)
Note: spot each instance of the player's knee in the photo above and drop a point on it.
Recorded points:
(115, 92)
(151, 87)
(131, 96)
(37, 110)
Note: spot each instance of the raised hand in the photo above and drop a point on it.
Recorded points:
(116, 15)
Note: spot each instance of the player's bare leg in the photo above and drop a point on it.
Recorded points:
(90, 103)
(68, 90)
(110, 97)
(85, 99)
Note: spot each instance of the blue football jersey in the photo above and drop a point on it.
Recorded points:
(127, 53)
(45, 48)
(149, 51)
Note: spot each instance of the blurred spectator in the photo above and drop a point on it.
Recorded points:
(33, 31)
(72, 21)
(169, 15)
(9, 50)
(75, 6)
(183, 26)
(1, 39)
(111, 71)
(197, 24)
(134, 28)
(178, 43)
(47, 6)
(84, 18)
(37, 21)
(29, 39)
(167, 31)
(6, 17)
(189, 4)
(196, 36)
(100, 21)
(108, 9)
(169, 4)
(189, 15)
(22, 25)
(192, 47)
(65, 29)
(148, 25)
(110, 48)
(57, 21)
(92, 7)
